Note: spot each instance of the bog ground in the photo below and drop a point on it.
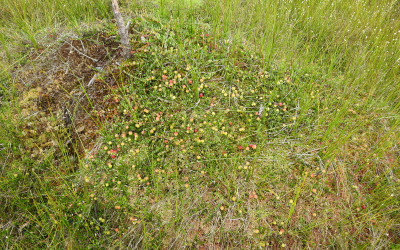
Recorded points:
(233, 125)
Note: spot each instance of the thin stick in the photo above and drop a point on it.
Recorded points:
(81, 53)
(94, 78)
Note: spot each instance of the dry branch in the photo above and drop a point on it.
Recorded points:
(122, 29)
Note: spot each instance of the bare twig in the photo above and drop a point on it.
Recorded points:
(95, 76)
(260, 111)
(122, 29)
(83, 46)
(81, 53)
(197, 103)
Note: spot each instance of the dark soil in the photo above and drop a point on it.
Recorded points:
(63, 87)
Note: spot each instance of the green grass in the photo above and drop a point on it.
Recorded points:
(168, 149)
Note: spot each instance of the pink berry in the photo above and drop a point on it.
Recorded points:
(201, 95)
